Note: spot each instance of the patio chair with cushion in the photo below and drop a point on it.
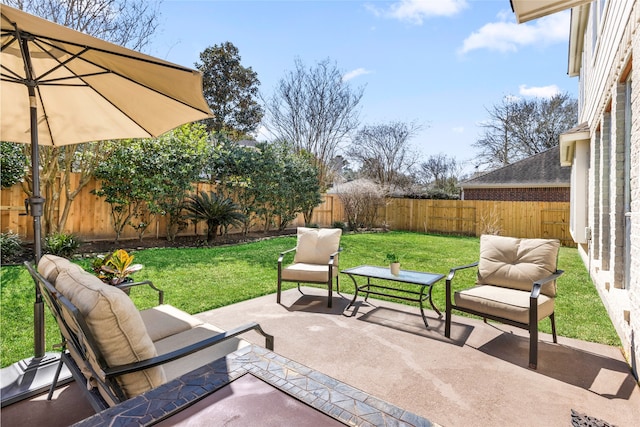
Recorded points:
(516, 285)
(315, 260)
(116, 351)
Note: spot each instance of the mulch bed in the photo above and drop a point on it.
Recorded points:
(93, 248)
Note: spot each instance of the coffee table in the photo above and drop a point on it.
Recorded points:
(419, 278)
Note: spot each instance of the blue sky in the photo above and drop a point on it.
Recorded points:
(440, 63)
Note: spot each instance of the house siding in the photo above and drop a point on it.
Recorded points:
(603, 80)
(545, 194)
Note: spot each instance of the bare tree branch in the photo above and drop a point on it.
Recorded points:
(315, 110)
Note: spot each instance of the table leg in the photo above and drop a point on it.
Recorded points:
(424, 318)
(355, 294)
(431, 302)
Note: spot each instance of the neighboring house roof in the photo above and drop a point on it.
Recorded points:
(540, 170)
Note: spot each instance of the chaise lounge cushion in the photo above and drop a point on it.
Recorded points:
(116, 324)
(315, 245)
(517, 263)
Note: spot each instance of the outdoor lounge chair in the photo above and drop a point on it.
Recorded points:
(117, 352)
(315, 260)
(516, 285)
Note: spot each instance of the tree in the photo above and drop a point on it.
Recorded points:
(121, 183)
(129, 23)
(299, 189)
(231, 91)
(316, 110)
(12, 164)
(143, 178)
(441, 173)
(519, 128)
(176, 159)
(384, 152)
(230, 166)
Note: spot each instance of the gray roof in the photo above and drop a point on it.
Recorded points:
(540, 170)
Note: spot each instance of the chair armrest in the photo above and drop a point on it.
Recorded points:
(144, 282)
(282, 254)
(537, 285)
(453, 271)
(333, 256)
(450, 277)
(187, 350)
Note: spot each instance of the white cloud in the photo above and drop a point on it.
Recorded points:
(415, 11)
(355, 73)
(507, 36)
(458, 129)
(539, 92)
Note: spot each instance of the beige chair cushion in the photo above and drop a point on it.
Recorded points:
(165, 320)
(315, 245)
(116, 325)
(503, 302)
(302, 272)
(189, 363)
(517, 263)
(50, 267)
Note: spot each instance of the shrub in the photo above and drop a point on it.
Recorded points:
(340, 224)
(10, 246)
(361, 200)
(215, 210)
(62, 244)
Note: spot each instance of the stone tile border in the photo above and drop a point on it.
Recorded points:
(328, 395)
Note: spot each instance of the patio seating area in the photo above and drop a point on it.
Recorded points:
(479, 377)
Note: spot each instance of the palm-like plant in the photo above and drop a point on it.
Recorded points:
(215, 210)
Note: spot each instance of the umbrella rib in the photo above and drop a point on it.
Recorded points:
(43, 41)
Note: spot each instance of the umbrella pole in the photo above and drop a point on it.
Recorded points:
(29, 377)
(36, 202)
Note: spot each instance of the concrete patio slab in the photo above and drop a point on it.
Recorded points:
(478, 378)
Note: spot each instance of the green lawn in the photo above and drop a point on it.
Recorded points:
(200, 279)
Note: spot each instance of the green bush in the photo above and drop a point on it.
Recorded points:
(10, 246)
(62, 244)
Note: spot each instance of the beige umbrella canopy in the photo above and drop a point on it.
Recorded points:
(59, 86)
(87, 89)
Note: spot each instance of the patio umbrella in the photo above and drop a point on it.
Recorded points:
(59, 86)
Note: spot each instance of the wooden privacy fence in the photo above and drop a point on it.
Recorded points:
(548, 220)
(90, 217)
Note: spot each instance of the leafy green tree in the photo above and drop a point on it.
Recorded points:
(231, 90)
(299, 191)
(121, 183)
(143, 178)
(284, 184)
(12, 164)
(231, 167)
(215, 210)
(175, 160)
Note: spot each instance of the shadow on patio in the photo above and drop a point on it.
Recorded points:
(478, 378)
